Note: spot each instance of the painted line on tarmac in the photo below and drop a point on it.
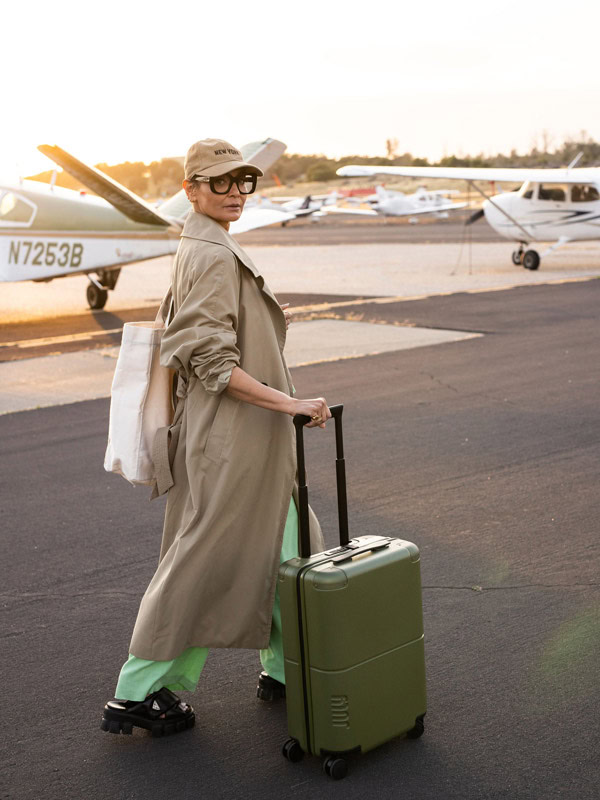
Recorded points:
(405, 299)
(68, 338)
(65, 338)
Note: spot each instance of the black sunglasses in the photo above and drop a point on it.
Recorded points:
(222, 184)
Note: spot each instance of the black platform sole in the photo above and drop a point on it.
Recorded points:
(269, 689)
(112, 722)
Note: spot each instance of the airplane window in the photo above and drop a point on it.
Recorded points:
(584, 193)
(552, 191)
(15, 210)
(528, 194)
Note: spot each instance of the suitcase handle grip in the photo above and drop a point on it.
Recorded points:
(300, 420)
(362, 550)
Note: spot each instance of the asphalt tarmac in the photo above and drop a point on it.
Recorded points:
(338, 229)
(484, 452)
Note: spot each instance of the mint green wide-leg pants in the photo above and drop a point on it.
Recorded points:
(139, 678)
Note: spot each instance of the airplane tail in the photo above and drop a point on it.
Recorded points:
(121, 198)
(264, 154)
(174, 210)
(381, 192)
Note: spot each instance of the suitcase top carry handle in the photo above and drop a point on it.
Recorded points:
(300, 420)
(355, 550)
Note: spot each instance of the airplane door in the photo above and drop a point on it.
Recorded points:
(553, 205)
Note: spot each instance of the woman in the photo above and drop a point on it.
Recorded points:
(230, 517)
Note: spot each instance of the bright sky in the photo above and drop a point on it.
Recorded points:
(129, 80)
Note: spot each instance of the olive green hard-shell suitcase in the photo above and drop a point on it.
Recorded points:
(352, 636)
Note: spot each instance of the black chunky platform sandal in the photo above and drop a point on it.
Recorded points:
(268, 688)
(162, 713)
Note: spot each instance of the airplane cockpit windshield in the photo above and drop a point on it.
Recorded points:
(527, 190)
(15, 211)
(584, 193)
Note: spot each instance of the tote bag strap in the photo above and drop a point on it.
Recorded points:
(165, 311)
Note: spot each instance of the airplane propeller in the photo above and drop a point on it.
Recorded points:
(476, 215)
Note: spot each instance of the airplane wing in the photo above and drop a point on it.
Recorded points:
(515, 175)
(415, 212)
(286, 199)
(117, 195)
(445, 207)
(408, 213)
(257, 217)
(365, 212)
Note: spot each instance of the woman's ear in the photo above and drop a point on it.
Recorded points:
(190, 190)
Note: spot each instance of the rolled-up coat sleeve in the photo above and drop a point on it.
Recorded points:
(201, 339)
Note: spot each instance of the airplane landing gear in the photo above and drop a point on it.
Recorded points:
(531, 259)
(96, 296)
(517, 256)
(97, 290)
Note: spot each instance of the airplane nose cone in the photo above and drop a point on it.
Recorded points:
(499, 213)
(491, 209)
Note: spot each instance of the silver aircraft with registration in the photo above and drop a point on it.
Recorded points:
(552, 205)
(48, 232)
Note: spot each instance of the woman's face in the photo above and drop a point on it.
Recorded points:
(223, 208)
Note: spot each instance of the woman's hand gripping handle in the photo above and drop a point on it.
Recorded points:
(316, 411)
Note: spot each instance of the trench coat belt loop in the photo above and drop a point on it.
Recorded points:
(160, 456)
(165, 440)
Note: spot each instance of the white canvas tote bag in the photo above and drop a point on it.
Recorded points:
(141, 399)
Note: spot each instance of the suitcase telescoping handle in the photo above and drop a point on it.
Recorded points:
(300, 420)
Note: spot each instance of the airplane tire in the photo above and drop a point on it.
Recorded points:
(517, 257)
(96, 297)
(531, 259)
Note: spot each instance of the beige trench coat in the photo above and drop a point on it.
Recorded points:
(233, 464)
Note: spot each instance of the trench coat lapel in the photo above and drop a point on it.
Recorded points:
(199, 226)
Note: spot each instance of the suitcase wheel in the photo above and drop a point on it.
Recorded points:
(292, 750)
(335, 767)
(418, 730)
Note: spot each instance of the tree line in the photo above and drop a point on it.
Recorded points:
(163, 178)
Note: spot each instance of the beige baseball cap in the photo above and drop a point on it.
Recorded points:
(212, 157)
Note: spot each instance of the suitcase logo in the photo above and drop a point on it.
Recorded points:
(340, 711)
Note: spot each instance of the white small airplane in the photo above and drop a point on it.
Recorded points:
(389, 203)
(47, 232)
(308, 206)
(560, 205)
